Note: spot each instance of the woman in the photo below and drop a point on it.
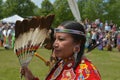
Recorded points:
(69, 47)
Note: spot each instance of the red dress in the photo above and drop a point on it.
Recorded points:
(84, 71)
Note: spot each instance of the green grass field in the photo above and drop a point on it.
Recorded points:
(108, 64)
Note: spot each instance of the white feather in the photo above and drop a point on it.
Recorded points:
(74, 8)
(28, 42)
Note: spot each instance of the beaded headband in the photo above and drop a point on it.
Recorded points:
(69, 31)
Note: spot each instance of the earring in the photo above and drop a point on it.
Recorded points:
(76, 50)
(75, 55)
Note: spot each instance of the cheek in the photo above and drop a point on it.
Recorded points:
(69, 45)
(67, 52)
(67, 49)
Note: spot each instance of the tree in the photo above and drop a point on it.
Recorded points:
(20, 7)
(103, 9)
(62, 12)
(1, 3)
(112, 9)
(46, 8)
(91, 9)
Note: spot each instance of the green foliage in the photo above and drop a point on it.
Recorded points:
(103, 9)
(46, 8)
(25, 8)
(112, 8)
(91, 9)
(37, 11)
(9, 7)
(62, 11)
(1, 3)
(20, 7)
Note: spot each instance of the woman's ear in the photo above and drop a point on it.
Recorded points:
(76, 49)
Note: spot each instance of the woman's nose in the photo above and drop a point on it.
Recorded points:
(55, 44)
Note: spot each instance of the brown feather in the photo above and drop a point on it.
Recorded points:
(30, 35)
(17, 28)
(49, 20)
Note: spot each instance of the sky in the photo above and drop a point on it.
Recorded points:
(38, 2)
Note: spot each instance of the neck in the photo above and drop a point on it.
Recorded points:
(67, 60)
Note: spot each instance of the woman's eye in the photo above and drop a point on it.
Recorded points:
(61, 39)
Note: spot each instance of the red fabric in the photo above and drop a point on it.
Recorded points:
(36, 78)
(87, 71)
(84, 71)
(63, 71)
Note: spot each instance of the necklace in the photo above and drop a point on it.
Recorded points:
(57, 71)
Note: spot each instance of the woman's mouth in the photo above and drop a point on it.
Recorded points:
(56, 51)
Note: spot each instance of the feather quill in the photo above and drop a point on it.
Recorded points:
(74, 8)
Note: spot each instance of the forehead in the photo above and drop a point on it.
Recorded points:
(66, 36)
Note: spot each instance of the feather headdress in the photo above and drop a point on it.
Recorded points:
(29, 36)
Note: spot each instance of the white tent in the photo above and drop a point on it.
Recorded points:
(12, 19)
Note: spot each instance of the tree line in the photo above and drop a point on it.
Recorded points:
(91, 9)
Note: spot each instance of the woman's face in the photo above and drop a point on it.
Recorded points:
(63, 45)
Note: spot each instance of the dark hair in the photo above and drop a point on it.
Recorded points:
(77, 38)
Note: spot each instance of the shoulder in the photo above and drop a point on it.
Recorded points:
(86, 70)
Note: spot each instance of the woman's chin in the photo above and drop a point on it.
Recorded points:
(57, 55)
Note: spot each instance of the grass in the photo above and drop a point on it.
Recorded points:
(108, 64)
